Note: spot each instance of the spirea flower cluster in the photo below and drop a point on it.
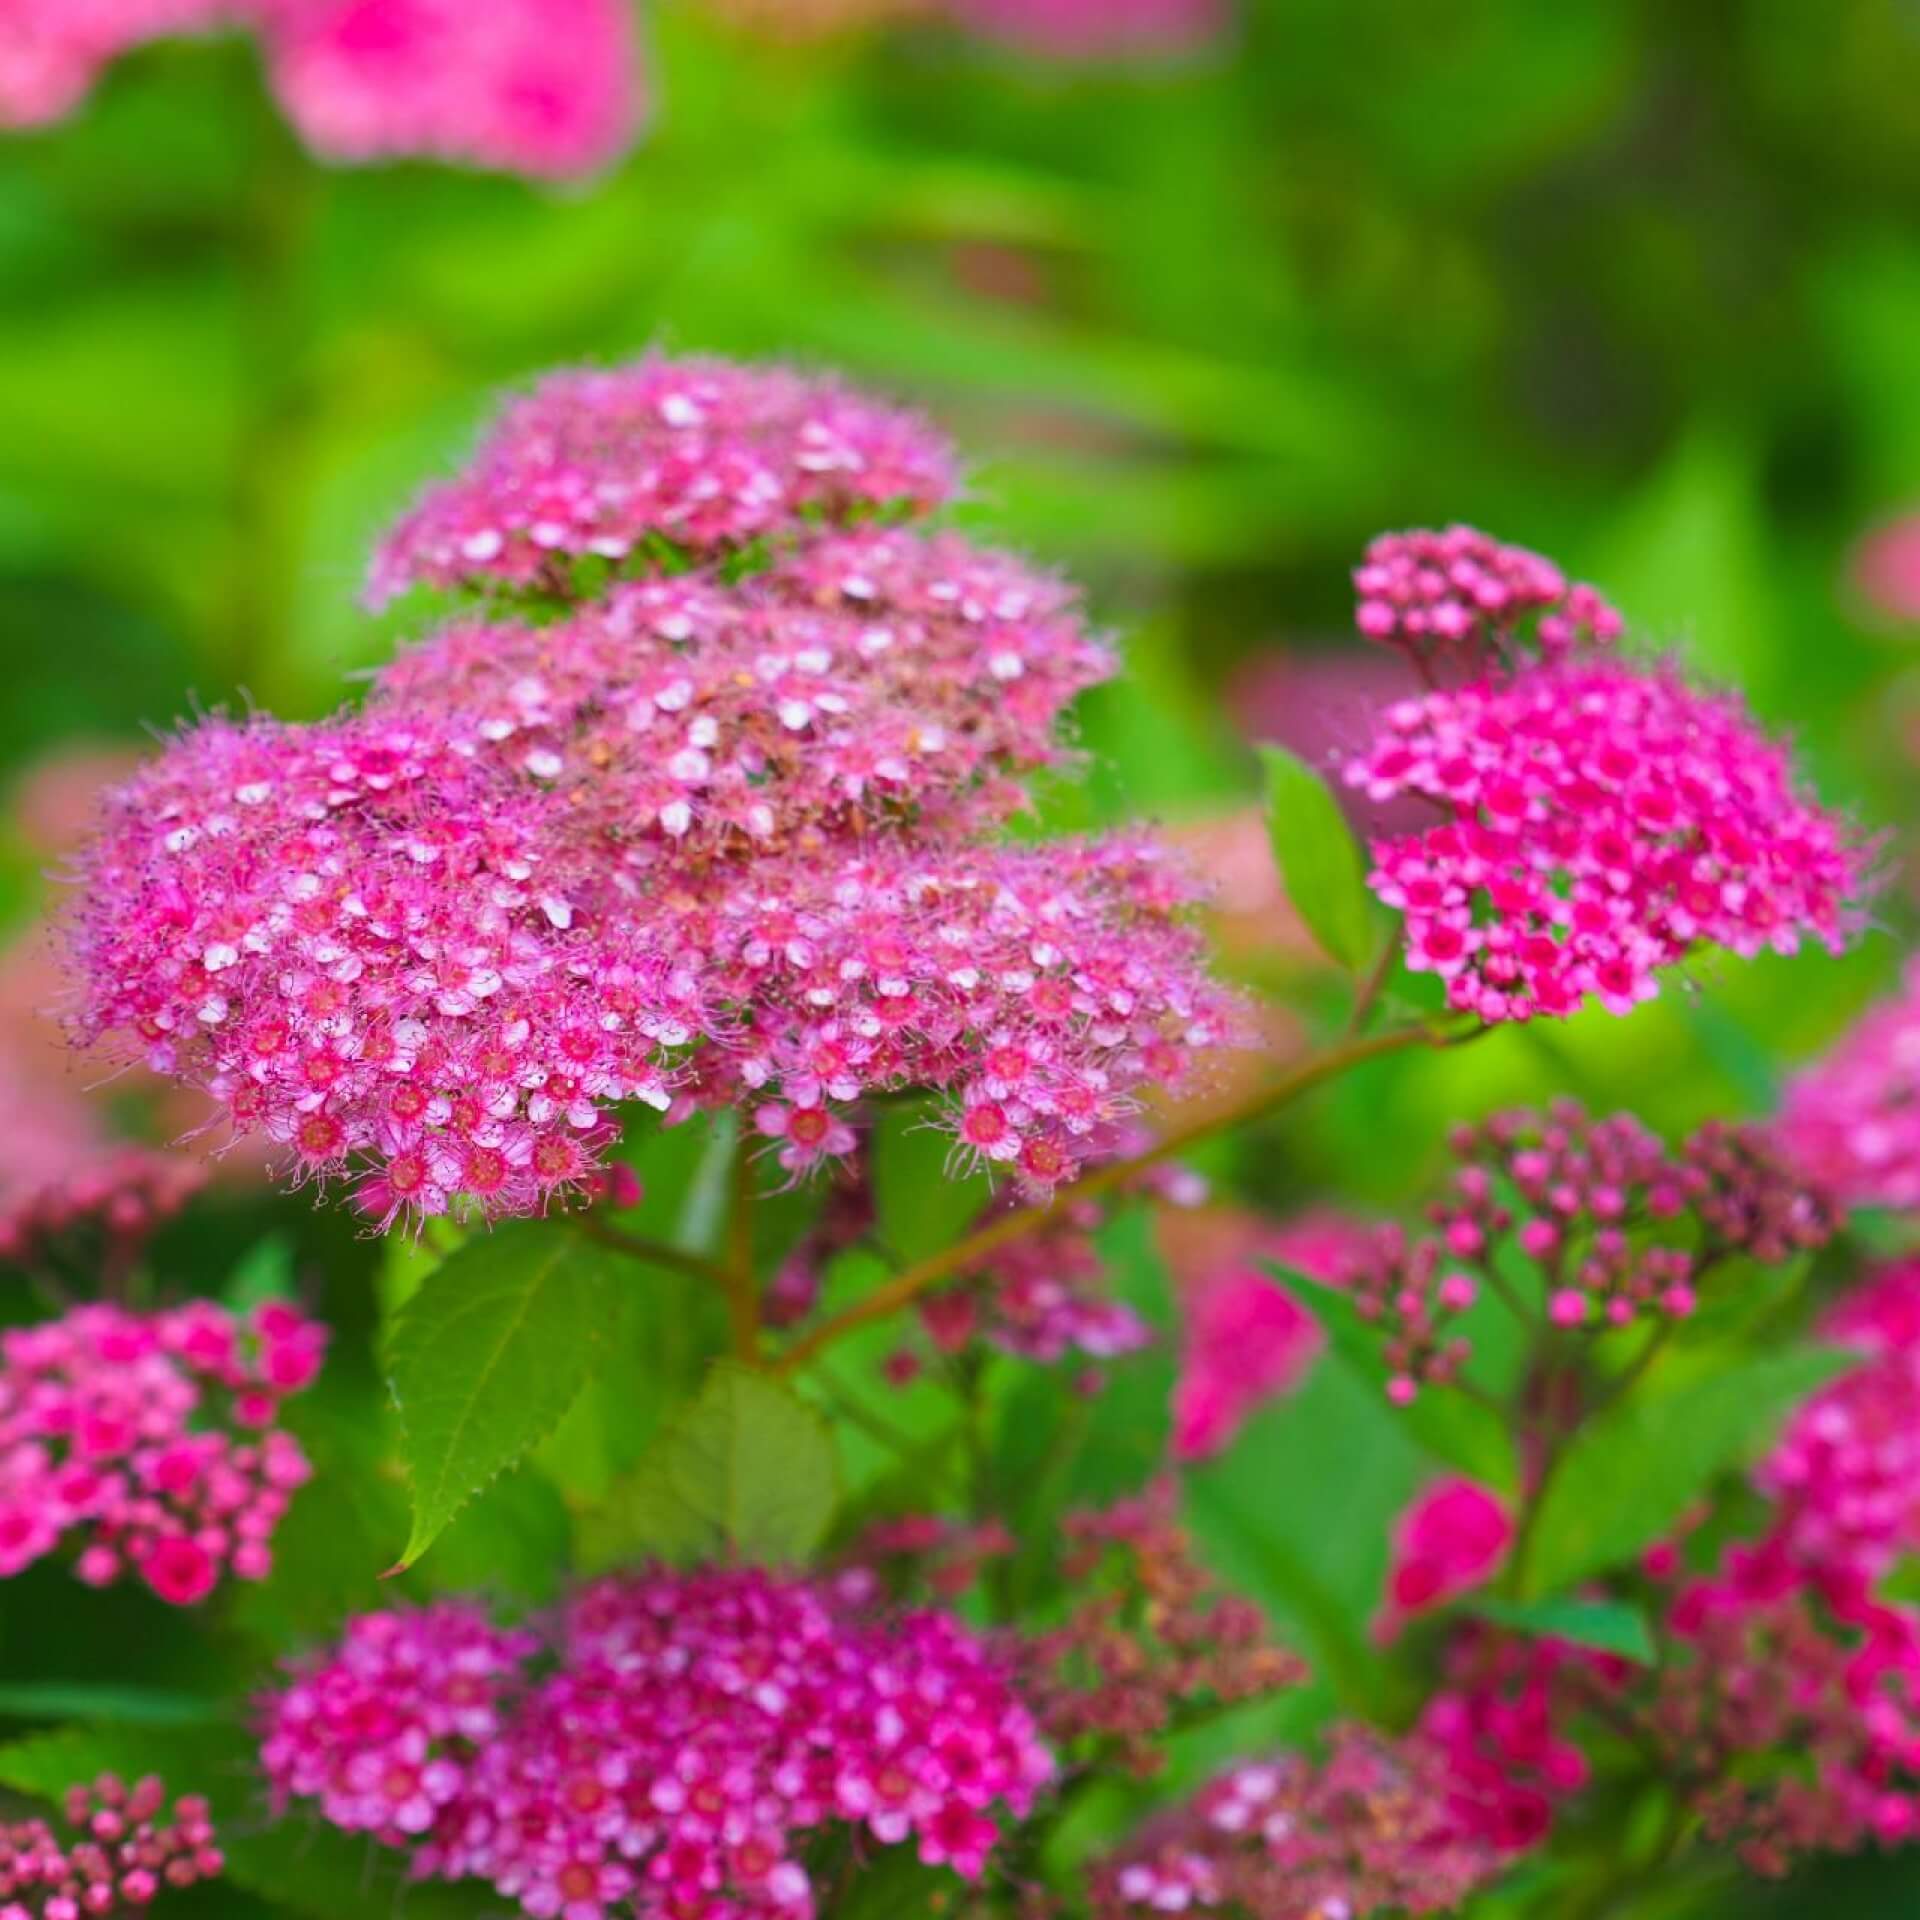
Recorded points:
(1599, 821)
(1151, 1636)
(1462, 603)
(1451, 1538)
(149, 1441)
(547, 88)
(689, 1733)
(1616, 1228)
(1369, 1829)
(122, 1847)
(715, 838)
(1852, 1119)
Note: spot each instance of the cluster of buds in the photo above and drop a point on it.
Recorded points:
(683, 1739)
(124, 1845)
(150, 1440)
(717, 838)
(1617, 1227)
(1041, 1296)
(1601, 821)
(1461, 600)
(1369, 1829)
(119, 1193)
(1150, 1637)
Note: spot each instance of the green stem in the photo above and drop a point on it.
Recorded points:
(967, 1255)
(652, 1253)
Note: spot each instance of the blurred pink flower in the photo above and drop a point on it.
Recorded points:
(1450, 1539)
(1851, 1121)
(547, 88)
(1885, 568)
(1248, 1338)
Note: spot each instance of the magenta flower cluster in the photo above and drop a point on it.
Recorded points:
(1451, 1538)
(1371, 1828)
(125, 1845)
(1617, 1228)
(715, 838)
(548, 88)
(1599, 821)
(1462, 603)
(693, 1731)
(149, 1440)
(1852, 1119)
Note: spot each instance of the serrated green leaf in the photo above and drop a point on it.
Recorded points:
(747, 1470)
(1319, 860)
(1608, 1626)
(488, 1355)
(1631, 1473)
(1460, 1431)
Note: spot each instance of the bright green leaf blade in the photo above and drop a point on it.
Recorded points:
(755, 1464)
(1319, 860)
(1631, 1474)
(1608, 1626)
(489, 1354)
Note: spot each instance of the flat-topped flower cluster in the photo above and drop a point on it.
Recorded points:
(692, 1733)
(719, 835)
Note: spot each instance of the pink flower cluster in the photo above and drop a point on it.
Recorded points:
(125, 1846)
(1600, 823)
(1845, 1476)
(547, 88)
(1461, 600)
(1369, 1829)
(1852, 1119)
(695, 1728)
(863, 679)
(1500, 1718)
(356, 940)
(1617, 1228)
(700, 454)
(1247, 1338)
(1041, 1297)
(1885, 566)
(1451, 1538)
(714, 839)
(151, 1439)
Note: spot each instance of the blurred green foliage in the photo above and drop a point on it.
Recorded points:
(1636, 282)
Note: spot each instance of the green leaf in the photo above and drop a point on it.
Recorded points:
(1319, 859)
(1631, 1473)
(78, 1700)
(746, 1470)
(1608, 1626)
(485, 1359)
(264, 1272)
(1446, 1423)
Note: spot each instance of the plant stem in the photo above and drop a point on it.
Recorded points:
(653, 1253)
(966, 1255)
